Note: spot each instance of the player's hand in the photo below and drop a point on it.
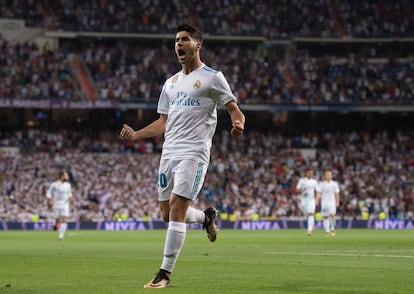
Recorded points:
(127, 133)
(237, 128)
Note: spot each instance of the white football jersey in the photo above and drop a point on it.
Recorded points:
(191, 100)
(310, 186)
(60, 192)
(328, 190)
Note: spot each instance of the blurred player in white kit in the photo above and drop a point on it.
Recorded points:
(328, 194)
(308, 187)
(59, 196)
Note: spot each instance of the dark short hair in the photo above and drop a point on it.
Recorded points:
(62, 172)
(194, 31)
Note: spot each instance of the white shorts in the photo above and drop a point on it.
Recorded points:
(61, 211)
(328, 208)
(184, 178)
(307, 206)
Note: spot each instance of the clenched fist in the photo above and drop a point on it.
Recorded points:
(127, 133)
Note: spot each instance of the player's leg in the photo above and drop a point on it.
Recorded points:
(64, 214)
(311, 223)
(165, 210)
(304, 209)
(56, 216)
(332, 223)
(174, 241)
(165, 186)
(207, 217)
(311, 216)
(188, 177)
(325, 215)
(195, 215)
(326, 224)
(56, 225)
(63, 227)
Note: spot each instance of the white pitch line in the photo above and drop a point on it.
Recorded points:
(339, 254)
(376, 250)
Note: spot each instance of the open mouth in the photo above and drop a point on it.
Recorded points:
(181, 52)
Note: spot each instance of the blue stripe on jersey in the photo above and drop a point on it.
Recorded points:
(197, 180)
(207, 68)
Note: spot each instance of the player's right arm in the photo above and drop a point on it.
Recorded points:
(154, 129)
(318, 195)
(237, 117)
(49, 196)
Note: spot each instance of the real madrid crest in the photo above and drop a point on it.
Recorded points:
(197, 84)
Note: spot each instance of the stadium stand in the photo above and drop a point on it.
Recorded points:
(276, 19)
(255, 174)
(119, 70)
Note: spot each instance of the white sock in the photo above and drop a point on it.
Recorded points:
(174, 242)
(332, 221)
(62, 230)
(326, 224)
(311, 222)
(194, 216)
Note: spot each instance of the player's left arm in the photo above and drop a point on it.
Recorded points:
(220, 91)
(71, 199)
(337, 195)
(50, 202)
(237, 117)
(337, 199)
(318, 195)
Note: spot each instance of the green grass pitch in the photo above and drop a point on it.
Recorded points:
(284, 261)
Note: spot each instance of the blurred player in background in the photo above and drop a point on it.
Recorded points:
(329, 196)
(188, 117)
(308, 187)
(59, 195)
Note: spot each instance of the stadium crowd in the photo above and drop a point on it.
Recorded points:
(30, 72)
(134, 72)
(354, 79)
(255, 174)
(274, 19)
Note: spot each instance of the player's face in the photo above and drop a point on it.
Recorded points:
(64, 177)
(186, 48)
(328, 175)
(309, 174)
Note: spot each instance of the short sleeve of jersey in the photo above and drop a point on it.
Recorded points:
(336, 187)
(220, 89)
(299, 184)
(318, 187)
(163, 101)
(50, 190)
